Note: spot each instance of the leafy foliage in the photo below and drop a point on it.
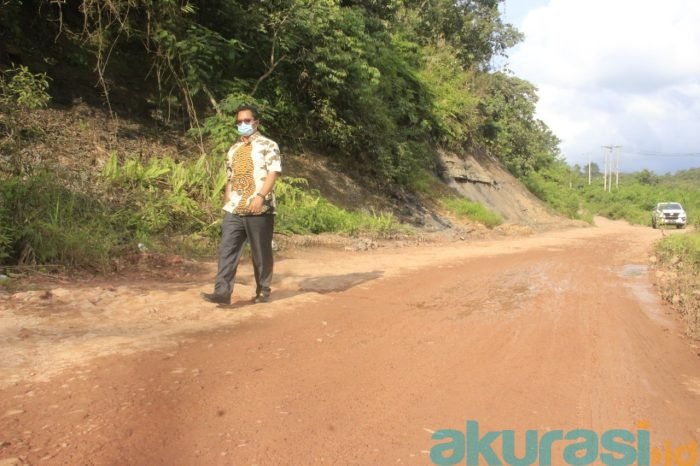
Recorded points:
(522, 142)
(164, 197)
(553, 185)
(19, 88)
(379, 85)
(20, 92)
(473, 28)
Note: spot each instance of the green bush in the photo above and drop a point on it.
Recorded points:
(566, 189)
(44, 222)
(20, 91)
(167, 197)
(473, 211)
(164, 197)
(685, 247)
(550, 185)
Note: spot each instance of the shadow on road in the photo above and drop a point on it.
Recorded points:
(331, 283)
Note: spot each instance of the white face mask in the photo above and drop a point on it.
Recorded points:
(246, 129)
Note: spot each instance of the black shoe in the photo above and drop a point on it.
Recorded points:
(261, 298)
(216, 298)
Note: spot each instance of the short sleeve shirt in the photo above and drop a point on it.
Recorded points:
(247, 166)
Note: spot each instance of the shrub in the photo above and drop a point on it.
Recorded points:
(45, 222)
(20, 91)
(685, 247)
(681, 253)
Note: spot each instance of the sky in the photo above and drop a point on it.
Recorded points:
(614, 72)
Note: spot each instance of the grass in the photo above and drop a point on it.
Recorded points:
(685, 247)
(680, 254)
(473, 211)
(45, 222)
(171, 206)
(305, 211)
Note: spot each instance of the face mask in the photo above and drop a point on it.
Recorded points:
(246, 129)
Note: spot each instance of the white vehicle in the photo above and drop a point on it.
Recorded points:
(669, 213)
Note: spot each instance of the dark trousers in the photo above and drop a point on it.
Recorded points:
(235, 230)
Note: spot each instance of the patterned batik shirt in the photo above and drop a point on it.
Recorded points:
(247, 167)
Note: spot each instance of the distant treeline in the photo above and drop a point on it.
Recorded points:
(633, 198)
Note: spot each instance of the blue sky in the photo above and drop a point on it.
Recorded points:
(621, 72)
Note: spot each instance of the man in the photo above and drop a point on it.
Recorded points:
(253, 165)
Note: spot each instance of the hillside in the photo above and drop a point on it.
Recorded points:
(114, 117)
(78, 140)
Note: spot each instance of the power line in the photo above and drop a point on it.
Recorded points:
(662, 154)
(650, 153)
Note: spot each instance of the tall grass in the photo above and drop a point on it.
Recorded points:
(303, 211)
(681, 255)
(473, 211)
(684, 247)
(169, 205)
(44, 222)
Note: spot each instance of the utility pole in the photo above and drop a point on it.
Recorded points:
(589, 169)
(611, 164)
(617, 168)
(605, 169)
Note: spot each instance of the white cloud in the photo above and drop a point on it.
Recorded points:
(616, 71)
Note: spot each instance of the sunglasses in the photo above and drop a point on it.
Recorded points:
(247, 121)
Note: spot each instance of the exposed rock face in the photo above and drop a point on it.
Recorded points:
(484, 180)
(474, 176)
(409, 208)
(355, 193)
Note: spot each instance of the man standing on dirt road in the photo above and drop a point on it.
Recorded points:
(253, 165)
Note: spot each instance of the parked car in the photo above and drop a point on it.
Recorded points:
(669, 213)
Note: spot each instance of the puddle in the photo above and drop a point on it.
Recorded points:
(642, 290)
(633, 270)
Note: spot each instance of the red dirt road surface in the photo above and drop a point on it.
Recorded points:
(358, 359)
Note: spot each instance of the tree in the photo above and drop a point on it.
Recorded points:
(647, 177)
(472, 27)
(510, 128)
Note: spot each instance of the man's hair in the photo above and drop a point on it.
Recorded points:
(252, 108)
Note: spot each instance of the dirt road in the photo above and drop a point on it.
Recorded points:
(359, 359)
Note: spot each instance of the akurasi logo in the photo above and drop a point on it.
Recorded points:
(579, 447)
